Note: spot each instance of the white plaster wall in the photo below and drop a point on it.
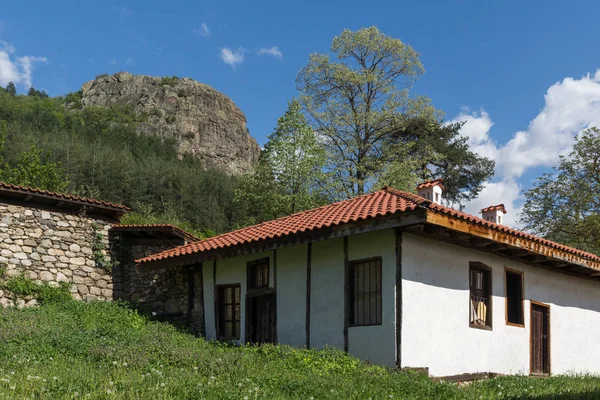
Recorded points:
(376, 343)
(230, 271)
(327, 294)
(291, 295)
(435, 324)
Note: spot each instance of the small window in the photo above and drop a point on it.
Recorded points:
(228, 312)
(480, 287)
(437, 197)
(514, 298)
(258, 272)
(499, 219)
(365, 292)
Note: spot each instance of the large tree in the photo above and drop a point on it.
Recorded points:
(564, 206)
(371, 124)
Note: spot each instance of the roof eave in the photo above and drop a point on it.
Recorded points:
(522, 249)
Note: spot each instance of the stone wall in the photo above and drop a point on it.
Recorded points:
(173, 294)
(53, 247)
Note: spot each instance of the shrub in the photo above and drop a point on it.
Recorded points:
(23, 286)
(100, 76)
(168, 80)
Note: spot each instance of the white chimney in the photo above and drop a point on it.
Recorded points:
(431, 190)
(493, 213)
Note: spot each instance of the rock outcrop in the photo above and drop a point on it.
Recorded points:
(204, 122)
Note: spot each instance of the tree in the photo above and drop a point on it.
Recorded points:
(33, 168)
(287, 177)
(11, 89)
(564, 206)
(36, 93)
(362, 107)
(296, 159)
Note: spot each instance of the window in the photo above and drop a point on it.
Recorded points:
(258, 273)
(514, 298)
(228, 312)
(480, 287)
(365, 292)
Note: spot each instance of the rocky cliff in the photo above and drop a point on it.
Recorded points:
(205, 122)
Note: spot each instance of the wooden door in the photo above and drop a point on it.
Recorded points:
(540, 339)
(261, 319)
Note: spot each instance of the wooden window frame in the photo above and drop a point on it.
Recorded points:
(351, 294)
(516, 272)
(490, 310)
(249, 274)
(219, 319)
(547, 306)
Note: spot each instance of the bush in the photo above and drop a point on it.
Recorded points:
(168, 81)
(22, 286)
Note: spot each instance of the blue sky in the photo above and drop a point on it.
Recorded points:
(506, 67)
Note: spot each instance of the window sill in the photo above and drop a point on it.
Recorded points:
(482, 327)
(360, 326)
(515, 325)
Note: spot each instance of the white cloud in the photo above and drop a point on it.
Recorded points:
(204, 31)
(112, 61)
(571, 106)
(18, 70)
(130, 61)
(271, 51)
(232, 57)
(126, 12)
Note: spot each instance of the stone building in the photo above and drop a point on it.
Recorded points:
(173, 294)
(51, 237)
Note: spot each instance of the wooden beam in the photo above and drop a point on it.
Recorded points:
(215, 298)
(480, 242)
(275, 290)
(308, 290)
(346, 293)
(508, 239)
(398, 293)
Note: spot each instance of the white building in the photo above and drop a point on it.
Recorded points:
(399, 280)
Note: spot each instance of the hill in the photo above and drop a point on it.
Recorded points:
(106, 351)
(203, 122)
(102, 155)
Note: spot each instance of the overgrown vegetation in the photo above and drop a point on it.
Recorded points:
(100, 258)
(104, 350)
(21, 286)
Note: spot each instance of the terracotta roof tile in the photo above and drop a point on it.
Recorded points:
(435, 182)
(492, 208)
(10, 188)
(359, 208)
(387, 201)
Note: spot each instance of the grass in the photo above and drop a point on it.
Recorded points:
(107, 351)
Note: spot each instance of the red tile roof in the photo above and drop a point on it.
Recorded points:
(156, 228)
(359, 208)
(387, 201)
(493, 208)
(435, 182)
(9, 190)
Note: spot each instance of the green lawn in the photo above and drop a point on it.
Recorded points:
(106, 351)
